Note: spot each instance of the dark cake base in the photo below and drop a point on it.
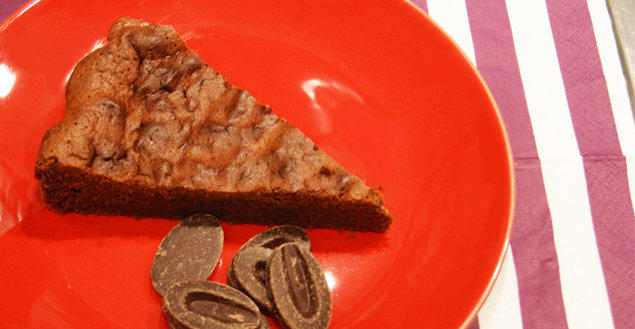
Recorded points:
(69, 189)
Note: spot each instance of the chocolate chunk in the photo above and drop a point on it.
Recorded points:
(247, 274)
(209, 305)
(279, 235)
(189, 251)
(250, 280)
(298, 288)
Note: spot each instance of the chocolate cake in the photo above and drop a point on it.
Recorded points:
(152, 131)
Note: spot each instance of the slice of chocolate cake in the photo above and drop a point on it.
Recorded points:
(153, 131)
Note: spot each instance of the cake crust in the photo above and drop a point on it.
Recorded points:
(153, 131)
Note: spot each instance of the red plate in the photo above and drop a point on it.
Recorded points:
(378, 85)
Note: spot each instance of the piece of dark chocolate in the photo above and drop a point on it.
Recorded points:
(190, 251)
(209, 305)
(298, 288)
(247, 274)
(250, 282)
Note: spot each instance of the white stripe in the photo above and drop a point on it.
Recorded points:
(583, 287)
(502, 308)
(616, 83)
(452, 16)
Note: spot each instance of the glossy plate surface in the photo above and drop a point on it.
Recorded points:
(375, 83)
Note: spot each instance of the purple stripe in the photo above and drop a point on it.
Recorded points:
(7, 7)
(605, 167)
(612, 213)
(496, 61)
(423, 4)
(535, 257)
(583, 77)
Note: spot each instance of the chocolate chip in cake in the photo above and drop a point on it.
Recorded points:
(210, 305)
(190, 251)
(298, 288)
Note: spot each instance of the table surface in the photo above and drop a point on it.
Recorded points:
(622, 13)
(554, 69)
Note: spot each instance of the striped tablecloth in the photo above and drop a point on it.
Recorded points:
(554, 70)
